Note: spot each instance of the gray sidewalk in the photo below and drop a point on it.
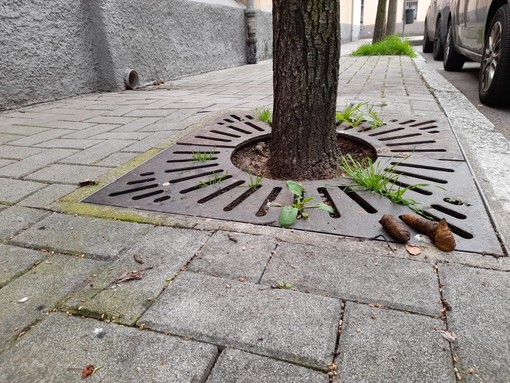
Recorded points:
(204, 310)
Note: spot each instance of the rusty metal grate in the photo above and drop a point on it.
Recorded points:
(172, 182)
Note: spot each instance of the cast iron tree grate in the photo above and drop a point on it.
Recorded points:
(196, 177)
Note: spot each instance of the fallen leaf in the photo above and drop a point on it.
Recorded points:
(87, 182)
(448, 335)
(242, 278)
(413, 250)
(130, 275)
(23, 300)
(87, 371)
(138, 259)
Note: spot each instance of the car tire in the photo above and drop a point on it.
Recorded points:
(428, 45)
(437, 47)
(494, 80)
(453, 61)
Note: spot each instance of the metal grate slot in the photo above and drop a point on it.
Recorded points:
(422, 123)
(429, 127)
(377, 133)
(133, 190)
(228, 120)
(264, 208)
(407, 122)
(412, 143)
(241, 198)
(212, 151)
(358, 199)
(147, 174)
(450, 212)
(254, 126)
(214, 139)
(161, 199)
(326, 198)
(455, 201)
(191, 168)
(236, 117)
(416, 189)
(399, 137)
(146, 195)
(175, 181)
(226, 134)
(425, 167)
(240, 130)
(141, 181)
(434, 131)
(203, 185)
(420, 176)
(220, 192)
(414, 150)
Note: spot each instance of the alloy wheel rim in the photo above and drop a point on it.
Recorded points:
(447, 45)
(491, 55)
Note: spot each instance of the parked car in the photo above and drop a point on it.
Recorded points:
(436, 22)
(479, 31)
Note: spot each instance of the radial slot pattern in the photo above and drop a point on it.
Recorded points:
(196, 177)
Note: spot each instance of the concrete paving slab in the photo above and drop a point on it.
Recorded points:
(238, 366)
(391, 282)
(16, 218)
(150, 142)
(12, 191)
(100, 238)
(234, 256)
(286, 325)
(4, 138)
(28, 298)
(17, 152)
(5, 162)
(47, 196)
(37, 161)
(479, 317)
(128, 136)
(68, 143)
(67, 174)
(14, 261)
(386, 346)
(97, 152)
(34, 139)
(58, 349)
(115, 159)
(163, 251)
(92, 131)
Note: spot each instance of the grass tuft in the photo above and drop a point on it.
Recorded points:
(389, 46)
(264, 115)
(379, 179)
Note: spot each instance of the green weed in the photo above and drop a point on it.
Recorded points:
(255, 181)
(212, 180)
(379, 179)
(355, 114)
(289, 214)
(203, 156)
(264, 115)
(389, 46)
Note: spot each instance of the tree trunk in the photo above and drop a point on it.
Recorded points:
(380, 21)
(306, 56)
(391, 22)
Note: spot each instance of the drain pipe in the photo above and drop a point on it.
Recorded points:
(251, 33)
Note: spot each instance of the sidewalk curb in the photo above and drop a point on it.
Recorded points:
(486, 151)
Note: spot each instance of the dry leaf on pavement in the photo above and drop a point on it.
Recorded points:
(87, 371)
(448, 335)
(413, 250)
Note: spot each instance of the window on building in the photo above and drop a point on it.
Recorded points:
(412, 4)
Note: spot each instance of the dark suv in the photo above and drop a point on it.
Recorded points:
(480, 31)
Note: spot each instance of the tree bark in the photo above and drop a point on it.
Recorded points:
(306, 56)
(391, 21)
(380, 21)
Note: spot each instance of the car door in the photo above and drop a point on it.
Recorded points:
(470, 23)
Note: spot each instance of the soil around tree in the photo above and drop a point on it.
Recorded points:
(253, 157)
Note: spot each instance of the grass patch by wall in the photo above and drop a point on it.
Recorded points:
(389, 46)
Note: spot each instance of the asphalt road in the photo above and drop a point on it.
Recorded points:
(466, 81)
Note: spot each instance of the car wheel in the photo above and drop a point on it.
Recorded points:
(438, 49)
(428, 44)
(453, 61)
(494, 80)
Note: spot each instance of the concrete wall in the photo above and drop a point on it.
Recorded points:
(52, 49)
